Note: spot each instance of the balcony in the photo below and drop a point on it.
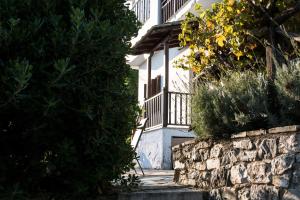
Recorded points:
(163, 10)
(168, 109)
(142, 10)
(170, 7)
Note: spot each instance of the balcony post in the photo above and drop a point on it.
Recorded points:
(165, 107)
(166, 88)
(149, 63)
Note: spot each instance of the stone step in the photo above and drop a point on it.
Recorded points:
(165, 194)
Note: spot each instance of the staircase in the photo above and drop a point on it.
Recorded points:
(159, 185)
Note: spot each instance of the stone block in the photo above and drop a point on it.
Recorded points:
(289, 143)
(177, 147)
(282, 163)
(193, 174)
(292, 194)
(267, 148)
(176, 175)
(247, 156)
(219, 177)
(239, 135)
(203, 181)
(177, 155)
(259, 172)
(200, 166)
(200, 154)
(230, 157)
(216, 151)
(284, 129)
(238, 174)
(243, 144)
(263, 192)
(203, 144)
(213, 163)
(178, 165)
(256, 133)
(189, 142)
(244, 193)
(215, 194)
(296, 177)
(281, 181)
(192, 182)
(228, 193)
(298, 158)
(187, 152)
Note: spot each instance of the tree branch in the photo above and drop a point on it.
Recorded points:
(278, 20)
(288, 13)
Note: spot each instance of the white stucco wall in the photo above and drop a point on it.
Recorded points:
(178, 78)
(154, 149)
(150, 149)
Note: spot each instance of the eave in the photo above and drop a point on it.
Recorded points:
(153, 39)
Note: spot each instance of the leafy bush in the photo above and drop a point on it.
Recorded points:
(239, 102)
(65, 108)
(233, 104)
(288, 86)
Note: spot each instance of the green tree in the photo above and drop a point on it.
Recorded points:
(65, 108)
(232, 34)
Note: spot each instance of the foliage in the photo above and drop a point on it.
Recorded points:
(128, 183)
(65, 108)
(132, 82)
(230, 35)
(238, 102)
(288, 86)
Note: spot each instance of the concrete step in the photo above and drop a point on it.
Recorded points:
(164, 194)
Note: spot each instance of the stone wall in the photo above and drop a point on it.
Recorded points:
(263, 164)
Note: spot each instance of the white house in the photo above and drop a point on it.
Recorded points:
(164, 91)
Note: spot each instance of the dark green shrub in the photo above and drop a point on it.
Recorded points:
(65, 108)
(288, 86)
(237, 102)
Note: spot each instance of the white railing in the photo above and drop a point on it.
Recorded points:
(142, 10)
(170, 7)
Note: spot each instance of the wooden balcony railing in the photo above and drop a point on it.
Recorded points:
(153, 110)
(179, 109)
(142, 10)
(168, 108)
(170, 7)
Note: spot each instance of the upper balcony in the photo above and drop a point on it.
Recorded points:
(168, 8)
(155, 12)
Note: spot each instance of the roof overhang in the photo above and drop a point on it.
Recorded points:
(154, 38)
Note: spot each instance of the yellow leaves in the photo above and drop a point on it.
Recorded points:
(192, 47)
(207, 53)
(210, 24)
(252, 46)
(207, 42)
(228, 29)
(221, 30)
(196, 69)
(229, 8)
(220, 39)
(238, 54)
(230, 2)
(198, 6)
